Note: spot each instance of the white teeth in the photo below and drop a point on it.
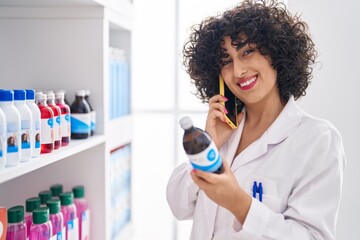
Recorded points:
(248, 82)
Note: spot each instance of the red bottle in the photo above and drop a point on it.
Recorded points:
(57, 118)
(65, 117)
(47, 124)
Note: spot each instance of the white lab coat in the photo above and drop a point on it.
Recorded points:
(299, 160)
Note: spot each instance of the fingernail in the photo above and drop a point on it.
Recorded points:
(226, 111)
(225, 98)
(194, 170)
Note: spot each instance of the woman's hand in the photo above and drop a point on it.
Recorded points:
(216, 125)
(224, 190)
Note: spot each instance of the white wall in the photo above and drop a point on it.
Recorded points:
(334, 93)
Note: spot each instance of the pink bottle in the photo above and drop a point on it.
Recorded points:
(16, 228)
(41, 228)
(83, 213)
(30, 205)
(68, 210)
(56, 218)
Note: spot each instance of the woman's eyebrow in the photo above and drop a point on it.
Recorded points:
(241, 45)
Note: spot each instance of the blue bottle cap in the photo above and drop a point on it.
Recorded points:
(30, 94)
(19, 95)
(6, 95)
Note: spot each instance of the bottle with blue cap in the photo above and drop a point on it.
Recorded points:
(36, 122)
(26, 120)
(13, 125)
(2, 139)
(200, 149)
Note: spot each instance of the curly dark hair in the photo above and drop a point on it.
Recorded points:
(268, 24)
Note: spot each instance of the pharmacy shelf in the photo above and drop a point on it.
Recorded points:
(74, 147)
(119, 132)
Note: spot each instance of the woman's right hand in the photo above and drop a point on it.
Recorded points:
(216, 125)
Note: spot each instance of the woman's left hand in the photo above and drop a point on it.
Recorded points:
(224, 190)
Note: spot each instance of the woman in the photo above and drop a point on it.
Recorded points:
(283, 168)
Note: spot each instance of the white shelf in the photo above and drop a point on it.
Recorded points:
(119, 132)
(74, 147)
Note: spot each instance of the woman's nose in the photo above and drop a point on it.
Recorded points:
(240, 69)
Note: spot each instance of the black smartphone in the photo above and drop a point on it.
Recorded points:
(232, 105)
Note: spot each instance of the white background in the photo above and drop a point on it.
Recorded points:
(162, 94)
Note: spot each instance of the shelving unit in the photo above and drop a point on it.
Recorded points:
(63, 44)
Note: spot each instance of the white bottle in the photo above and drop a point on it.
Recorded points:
(13, 125)
(2, 140)
(26, 120)
(36, 122)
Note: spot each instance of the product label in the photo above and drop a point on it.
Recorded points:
(13, 137)
(80, 123)
(59, 236)
(93, 120)
(47, 131)
(72, 229)
(65, 125)
(208, 160)
(25, 134)
(57, 128)
(37, 134)
(2, 141)
(85, 225)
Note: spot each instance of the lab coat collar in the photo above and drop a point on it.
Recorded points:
(288, 120)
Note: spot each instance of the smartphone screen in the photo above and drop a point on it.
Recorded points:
(232, 105)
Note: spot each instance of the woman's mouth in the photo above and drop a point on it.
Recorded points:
(247, 83)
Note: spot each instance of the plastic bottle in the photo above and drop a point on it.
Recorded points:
(57, 118)
(200, 149)
(92, 113)
(2, 140)
(3, 222)
(16, 228)
(68, 210)
(47, 123)
(83, 213)
(44, 197)
(41, 228)
(26, 120)
(13, 125)
(36, 122)
(56, 189)
(30, 205)
(80, 117)
(65, 118)
(56, 219)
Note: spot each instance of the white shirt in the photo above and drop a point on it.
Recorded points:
(299, 160)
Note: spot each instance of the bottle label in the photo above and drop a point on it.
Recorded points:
(25, 134)
(72, 229)
(57, 128)
(37, 134)
(59, 235)
(85, 225)
(208, 160)
(65, 125)
(80, 123)
(47, 131)
(93, 120)
(13, 137)
(2, 141)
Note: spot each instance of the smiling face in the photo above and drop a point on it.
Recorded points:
(248, 74)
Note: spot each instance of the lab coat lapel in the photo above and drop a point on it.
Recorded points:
(282, 127)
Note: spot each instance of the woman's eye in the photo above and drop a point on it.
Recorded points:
(225, 62)
(247, 52)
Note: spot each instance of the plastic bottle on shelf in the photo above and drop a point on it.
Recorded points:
(56, 189)
(36, 122)
(13, 125)
(92, 113)
(30, 205)
(47, 123)
(80, 117)
(16, 227)
(3, 223)
(68, 210)
(57, 118)
(44, 197)
(200, 149)
(41, 229)
(56, 219)
(83, 213)
(26, 120)
(2, 140)
(65, 118)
